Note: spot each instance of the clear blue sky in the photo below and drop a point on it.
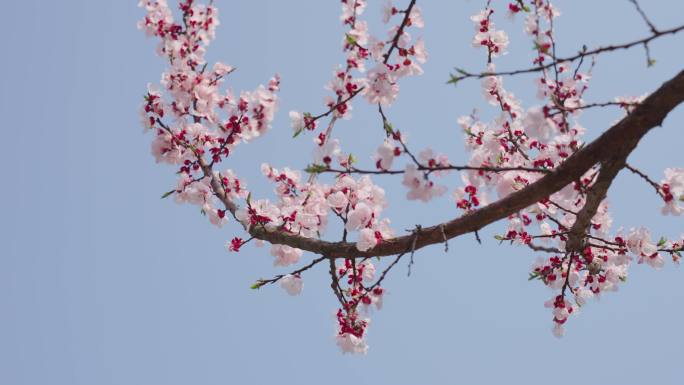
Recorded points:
(101, 282)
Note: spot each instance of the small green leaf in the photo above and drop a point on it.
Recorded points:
(452, 79)
(351, 159)
(651, 62)
(167, 194)
(499, 238)
(350, 39)
(256, 286)
(388, 128)
(662, 241)
(526, 9)
(315, 168)
(681, 198)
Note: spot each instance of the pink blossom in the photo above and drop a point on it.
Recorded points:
(672, 188)
(382, 86)
(297, 121)
(367, 239)
(350, 8)
(376, 48)
(359, 217)
(368, 270)
(221, 69)
(419, 51)
(337, 200)
(420, 187)
(261, 212)
(360, 33)
(432, 160)
(416, 17)
(350, 343)
(324, 154)
(285, 255)
(293, 284)
(388, 11)
(536, 124)
(384, 155)
(217, 217)
(194, 192)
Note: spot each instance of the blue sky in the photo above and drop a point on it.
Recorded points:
(101, 282)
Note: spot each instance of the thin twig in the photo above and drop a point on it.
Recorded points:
(643, 16)
(354, 170)
(645, 177)
(261, 282)
(400, 31)
(413, 247)
(446, 241)
(609, 48)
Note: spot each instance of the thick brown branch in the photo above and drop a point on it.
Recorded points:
(597, 193)
(620, 139)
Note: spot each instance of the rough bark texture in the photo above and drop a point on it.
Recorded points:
(610, 149)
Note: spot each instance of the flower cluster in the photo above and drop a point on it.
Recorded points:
(528, 142)
(359, 291)
(360, 203)
(466, 197)
(380, 83)
(538, 24)
(420, 186)
(343, 84)
(599, 268)
(203, 120)
(351, 330)
(382, 80)
(496, 41)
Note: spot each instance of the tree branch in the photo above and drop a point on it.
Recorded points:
(617, 141)
(354, 170)
(466, 75)
(656, 186)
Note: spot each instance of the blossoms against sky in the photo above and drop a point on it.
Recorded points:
(197, 125)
